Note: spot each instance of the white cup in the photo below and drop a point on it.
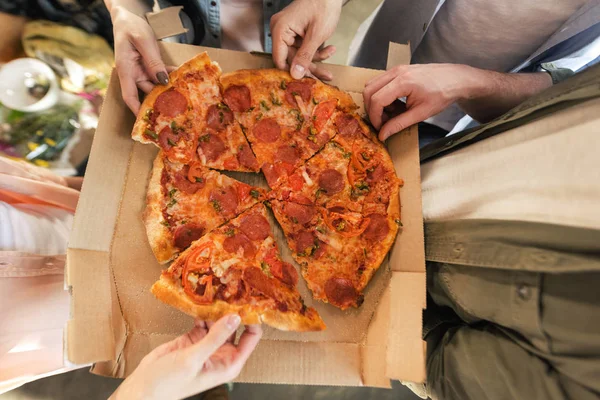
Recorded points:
(15, 94)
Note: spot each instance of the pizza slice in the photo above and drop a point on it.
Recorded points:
(188, 116)
(236, 268)
(351, 170)
(285, 121)
(339, 250)
(186, 201)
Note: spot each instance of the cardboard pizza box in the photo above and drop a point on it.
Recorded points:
(115, 320)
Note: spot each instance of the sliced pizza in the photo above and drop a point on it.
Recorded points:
(339, 250)
(188, 116)
(286, 121)
(353, 169)
(186, 201)
(236, 268)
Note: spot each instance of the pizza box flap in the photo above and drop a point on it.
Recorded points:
(115, 320)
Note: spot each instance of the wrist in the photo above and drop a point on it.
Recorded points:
(479, 83)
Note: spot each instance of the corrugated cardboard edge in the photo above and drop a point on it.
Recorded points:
(360, 364)
(166, 22)
(96, 327)
(406, 351)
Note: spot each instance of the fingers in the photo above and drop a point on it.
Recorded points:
(129, 91)
(145, 85)
(147, 46)
(280, 47)
(375, 84)
(303, 58)
(217, 335)
(403, 121)
(248, 342)
(384, 97)
(320, 72)
(324, 53)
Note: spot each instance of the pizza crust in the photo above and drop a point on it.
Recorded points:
(141, 124)
(198, 63)
(159, 236)
(172, 294)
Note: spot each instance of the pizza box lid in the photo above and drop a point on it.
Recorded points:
(115, 320)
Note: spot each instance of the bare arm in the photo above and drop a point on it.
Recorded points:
(495, 93)
(431, 88)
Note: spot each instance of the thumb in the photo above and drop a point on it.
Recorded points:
(147, 46)
(410, 117)
(304, 56)
(214, 339)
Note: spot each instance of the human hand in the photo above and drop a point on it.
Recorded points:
(203, 358)
(428, 88)
(137, 57)
(299, 31)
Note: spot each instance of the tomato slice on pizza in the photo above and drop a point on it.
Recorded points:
(286, 121)
(186, 201)
(236, 268)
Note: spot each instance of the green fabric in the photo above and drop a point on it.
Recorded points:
(513, 311)
(557, 74)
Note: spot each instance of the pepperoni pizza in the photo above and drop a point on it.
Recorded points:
(237, 269)
(185, 201)
(334, 193)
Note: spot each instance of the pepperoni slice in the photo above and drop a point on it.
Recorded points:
(301, 88)
(232, 244)
(341, 292)
(184, 235)
(166, 138)
(170, 103)
(256, 279)
(331, 181)
(377, 229)
(304, 240)
(212, 146)
(224, 200)
(267, 130)
(287, 154)
(237, 98)
(299, 213)
(322, 113)
(347, 126)
(218, 117)
(181, 181)
(246, 158)
(321, 249)
(376, 174)
(270, 174)
(285, 272)
(255, 226)
(296, 182)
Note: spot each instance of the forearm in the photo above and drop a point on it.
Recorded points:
(138, 7)
(491, 94)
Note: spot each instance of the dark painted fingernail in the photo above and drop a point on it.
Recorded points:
(163, 78)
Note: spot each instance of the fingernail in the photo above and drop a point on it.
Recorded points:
(233, 321)
(163, 78)
(298, 71)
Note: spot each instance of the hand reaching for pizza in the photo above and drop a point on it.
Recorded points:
(203, 358)
(299, 31)
(428, 89)
(137, 57)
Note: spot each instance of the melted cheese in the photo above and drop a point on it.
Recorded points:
(221, 267)
(330, 240)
